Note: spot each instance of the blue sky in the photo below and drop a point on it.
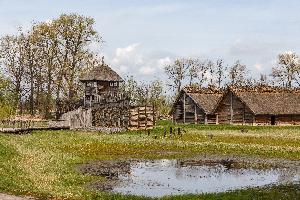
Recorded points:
(141, 36)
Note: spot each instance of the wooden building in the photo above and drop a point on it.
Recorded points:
(196, 105)
(101, 85)
(106, 106)
(109, 105)
(259, 106)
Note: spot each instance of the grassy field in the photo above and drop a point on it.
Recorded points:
(42, 164)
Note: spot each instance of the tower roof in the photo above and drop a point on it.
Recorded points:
(101, 72)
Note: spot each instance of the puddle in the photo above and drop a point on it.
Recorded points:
(170, 177)
(173, 177)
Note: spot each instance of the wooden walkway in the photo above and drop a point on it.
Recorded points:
(29, 129)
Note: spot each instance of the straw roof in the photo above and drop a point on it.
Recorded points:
(101, 73)
(207, 102)
(270, 100)
(205, 98)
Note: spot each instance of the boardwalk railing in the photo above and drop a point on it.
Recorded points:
(18, 126)
(23, 123)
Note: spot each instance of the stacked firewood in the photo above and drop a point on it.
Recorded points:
(110, 115)
(141, 117)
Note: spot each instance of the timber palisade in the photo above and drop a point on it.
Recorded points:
(260, 105)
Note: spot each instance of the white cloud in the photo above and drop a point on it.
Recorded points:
(131, 60)
(161, 63)
(147, 70)
(128, 55)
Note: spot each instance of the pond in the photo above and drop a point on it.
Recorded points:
(172, 177)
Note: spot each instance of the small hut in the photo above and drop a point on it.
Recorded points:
(196, 105)
(259, 106)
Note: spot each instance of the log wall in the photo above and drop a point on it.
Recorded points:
(279, 119)
(190, 113)
(233, 111)
(110, 115)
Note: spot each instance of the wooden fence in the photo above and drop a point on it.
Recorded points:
(22, 123)
(142, 117)
(22, 126)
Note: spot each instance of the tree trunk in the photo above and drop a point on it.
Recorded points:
(48, 97)
(58, 106)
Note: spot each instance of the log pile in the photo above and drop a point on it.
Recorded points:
(141, 118)
(110, 115)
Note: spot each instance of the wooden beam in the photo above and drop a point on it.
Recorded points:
(231, 108)
(196, 114)
(244, 110)
(184, 96)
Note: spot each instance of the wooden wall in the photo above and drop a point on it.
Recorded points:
(190, 108)
(279, 119)
(233, 111)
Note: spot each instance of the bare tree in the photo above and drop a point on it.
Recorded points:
(287, 72)
(176, 73)
(220, 72)
(237, 73)
(197, 70)
(263, 79)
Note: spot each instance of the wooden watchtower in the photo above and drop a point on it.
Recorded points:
(101, 86)
(109, 105)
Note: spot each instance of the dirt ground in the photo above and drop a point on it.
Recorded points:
(11, 197)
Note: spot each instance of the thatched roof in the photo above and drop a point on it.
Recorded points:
(205, 98)
(101, 72)
(270, 100)
(207, 102)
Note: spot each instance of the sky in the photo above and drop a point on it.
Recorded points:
(142, 36)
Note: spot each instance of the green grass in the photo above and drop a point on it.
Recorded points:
(42, 164)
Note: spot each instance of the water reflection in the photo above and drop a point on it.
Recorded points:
(170, 177)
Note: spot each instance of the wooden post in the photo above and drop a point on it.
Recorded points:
(138, 109)
(253, 122)
(205, 119)
(146, 117)
(184, 107)
(217, 119)
(154, 114)
(231, 108)
(196, 115)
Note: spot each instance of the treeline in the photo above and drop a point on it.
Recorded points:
(152, 93)
(44, 63)
(40, 70)
(203, 73)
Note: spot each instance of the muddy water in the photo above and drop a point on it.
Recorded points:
(171, 177)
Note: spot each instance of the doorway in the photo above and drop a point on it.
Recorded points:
(273, 120)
